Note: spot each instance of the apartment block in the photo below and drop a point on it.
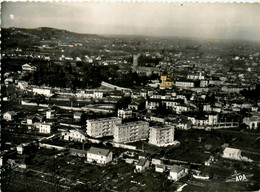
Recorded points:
(132, 131)
(102, 127)
(161, 135)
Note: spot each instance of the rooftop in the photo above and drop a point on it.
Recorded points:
(176, 168)
(98, 151)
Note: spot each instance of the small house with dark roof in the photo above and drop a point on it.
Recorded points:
(78, 152)
(99, 155)
(142, 165)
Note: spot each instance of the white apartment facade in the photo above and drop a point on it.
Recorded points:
(161, 136)
(102, 127)
(132, 131)
(43, 127)
(184, 84)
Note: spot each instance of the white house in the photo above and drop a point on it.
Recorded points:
(77, 116)
(251, 122)
(181, 108)
(9, 116)
(43, 91)
(50, 114)
(27, 67)
(74, 135)
(101, 156)
(231, 153)
(176, 172)
(22, 85)
(124, 113)
(142, 165)
(43, 127)
(19, 149)
(160, 168)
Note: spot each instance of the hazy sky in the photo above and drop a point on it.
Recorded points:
(206, 20)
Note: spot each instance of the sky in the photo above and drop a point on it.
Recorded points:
(200, 20)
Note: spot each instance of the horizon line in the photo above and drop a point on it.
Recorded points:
(142, 35)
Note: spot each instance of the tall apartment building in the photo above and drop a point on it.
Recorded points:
(132, 131)
(161, 135)
(102, 127)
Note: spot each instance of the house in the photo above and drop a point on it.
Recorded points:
(231, 153)
(9, 116)
(9, 80)
(142, 165)
(26, 148)
(183, 123)
(160, 168)
(27, 68)
(30, 120)
(156, 161)
(181, 108)
(74, 135)
(251, 122)
(137, 104)
(77, 116)
(100, 156)
(176, 172)
(22, 148)
(125, 113)
(50, 114)
(43, 91)
(22, 85)
(152, 103)
(77, 152)
(43, 127)
(143, 155)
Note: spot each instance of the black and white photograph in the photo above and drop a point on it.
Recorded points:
(130, 96)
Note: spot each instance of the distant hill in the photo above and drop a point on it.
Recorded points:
(12, 37)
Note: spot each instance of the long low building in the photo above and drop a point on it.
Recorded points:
(102, 127)
(130, 132)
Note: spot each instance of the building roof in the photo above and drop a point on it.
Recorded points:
(77, 114)
(141, 162)
(176, 168)
(78, 151)
(98, 151)
(231, 150)
(160, 166)
(79, 131)
(12, 112)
